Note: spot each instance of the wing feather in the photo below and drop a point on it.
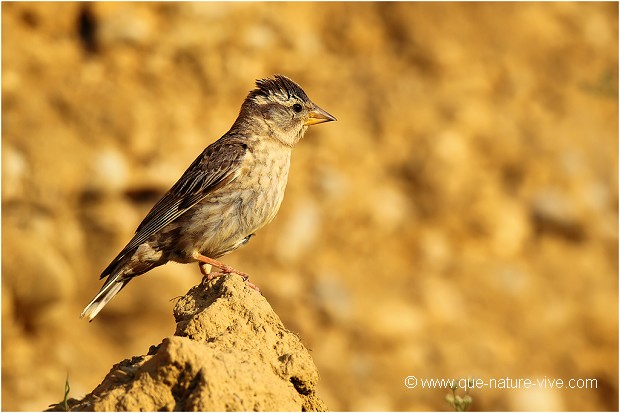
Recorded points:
(218, 165)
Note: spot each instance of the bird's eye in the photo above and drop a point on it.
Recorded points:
(297, 107)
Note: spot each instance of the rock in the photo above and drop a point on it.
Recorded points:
(230, 351)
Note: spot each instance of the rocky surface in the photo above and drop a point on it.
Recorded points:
(230, 352)
(459, 219)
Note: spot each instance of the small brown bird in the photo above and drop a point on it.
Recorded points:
(229, 192)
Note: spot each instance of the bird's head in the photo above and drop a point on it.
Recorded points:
(285, 108)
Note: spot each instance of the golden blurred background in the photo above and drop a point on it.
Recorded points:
(460, 219)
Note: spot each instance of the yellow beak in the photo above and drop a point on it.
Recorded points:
(318, 115)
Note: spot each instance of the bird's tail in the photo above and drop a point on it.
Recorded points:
(111, 287)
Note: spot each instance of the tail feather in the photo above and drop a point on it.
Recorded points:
(120, 271)
(109, 290)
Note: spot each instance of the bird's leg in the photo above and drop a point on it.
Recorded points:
(205, 264)
(221, 266)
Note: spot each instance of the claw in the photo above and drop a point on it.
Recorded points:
(206, 263)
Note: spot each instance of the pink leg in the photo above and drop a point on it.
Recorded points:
(223, 267)
(203, 261)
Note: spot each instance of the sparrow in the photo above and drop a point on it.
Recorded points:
(234, 188)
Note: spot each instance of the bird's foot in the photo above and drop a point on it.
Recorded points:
(205, 269)
(206, 263)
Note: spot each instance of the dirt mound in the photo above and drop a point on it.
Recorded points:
(230, 352)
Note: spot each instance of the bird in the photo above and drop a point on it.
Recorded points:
(230, 191)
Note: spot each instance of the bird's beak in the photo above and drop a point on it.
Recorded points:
(318, 115)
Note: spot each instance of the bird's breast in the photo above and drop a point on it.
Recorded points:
(267, 177)
(223, 220)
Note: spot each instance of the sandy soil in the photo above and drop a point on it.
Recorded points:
(460, 219)
(230, 352)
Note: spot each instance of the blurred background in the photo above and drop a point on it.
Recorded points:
(460, 219)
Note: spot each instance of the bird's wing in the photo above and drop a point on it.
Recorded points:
(218, 165)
